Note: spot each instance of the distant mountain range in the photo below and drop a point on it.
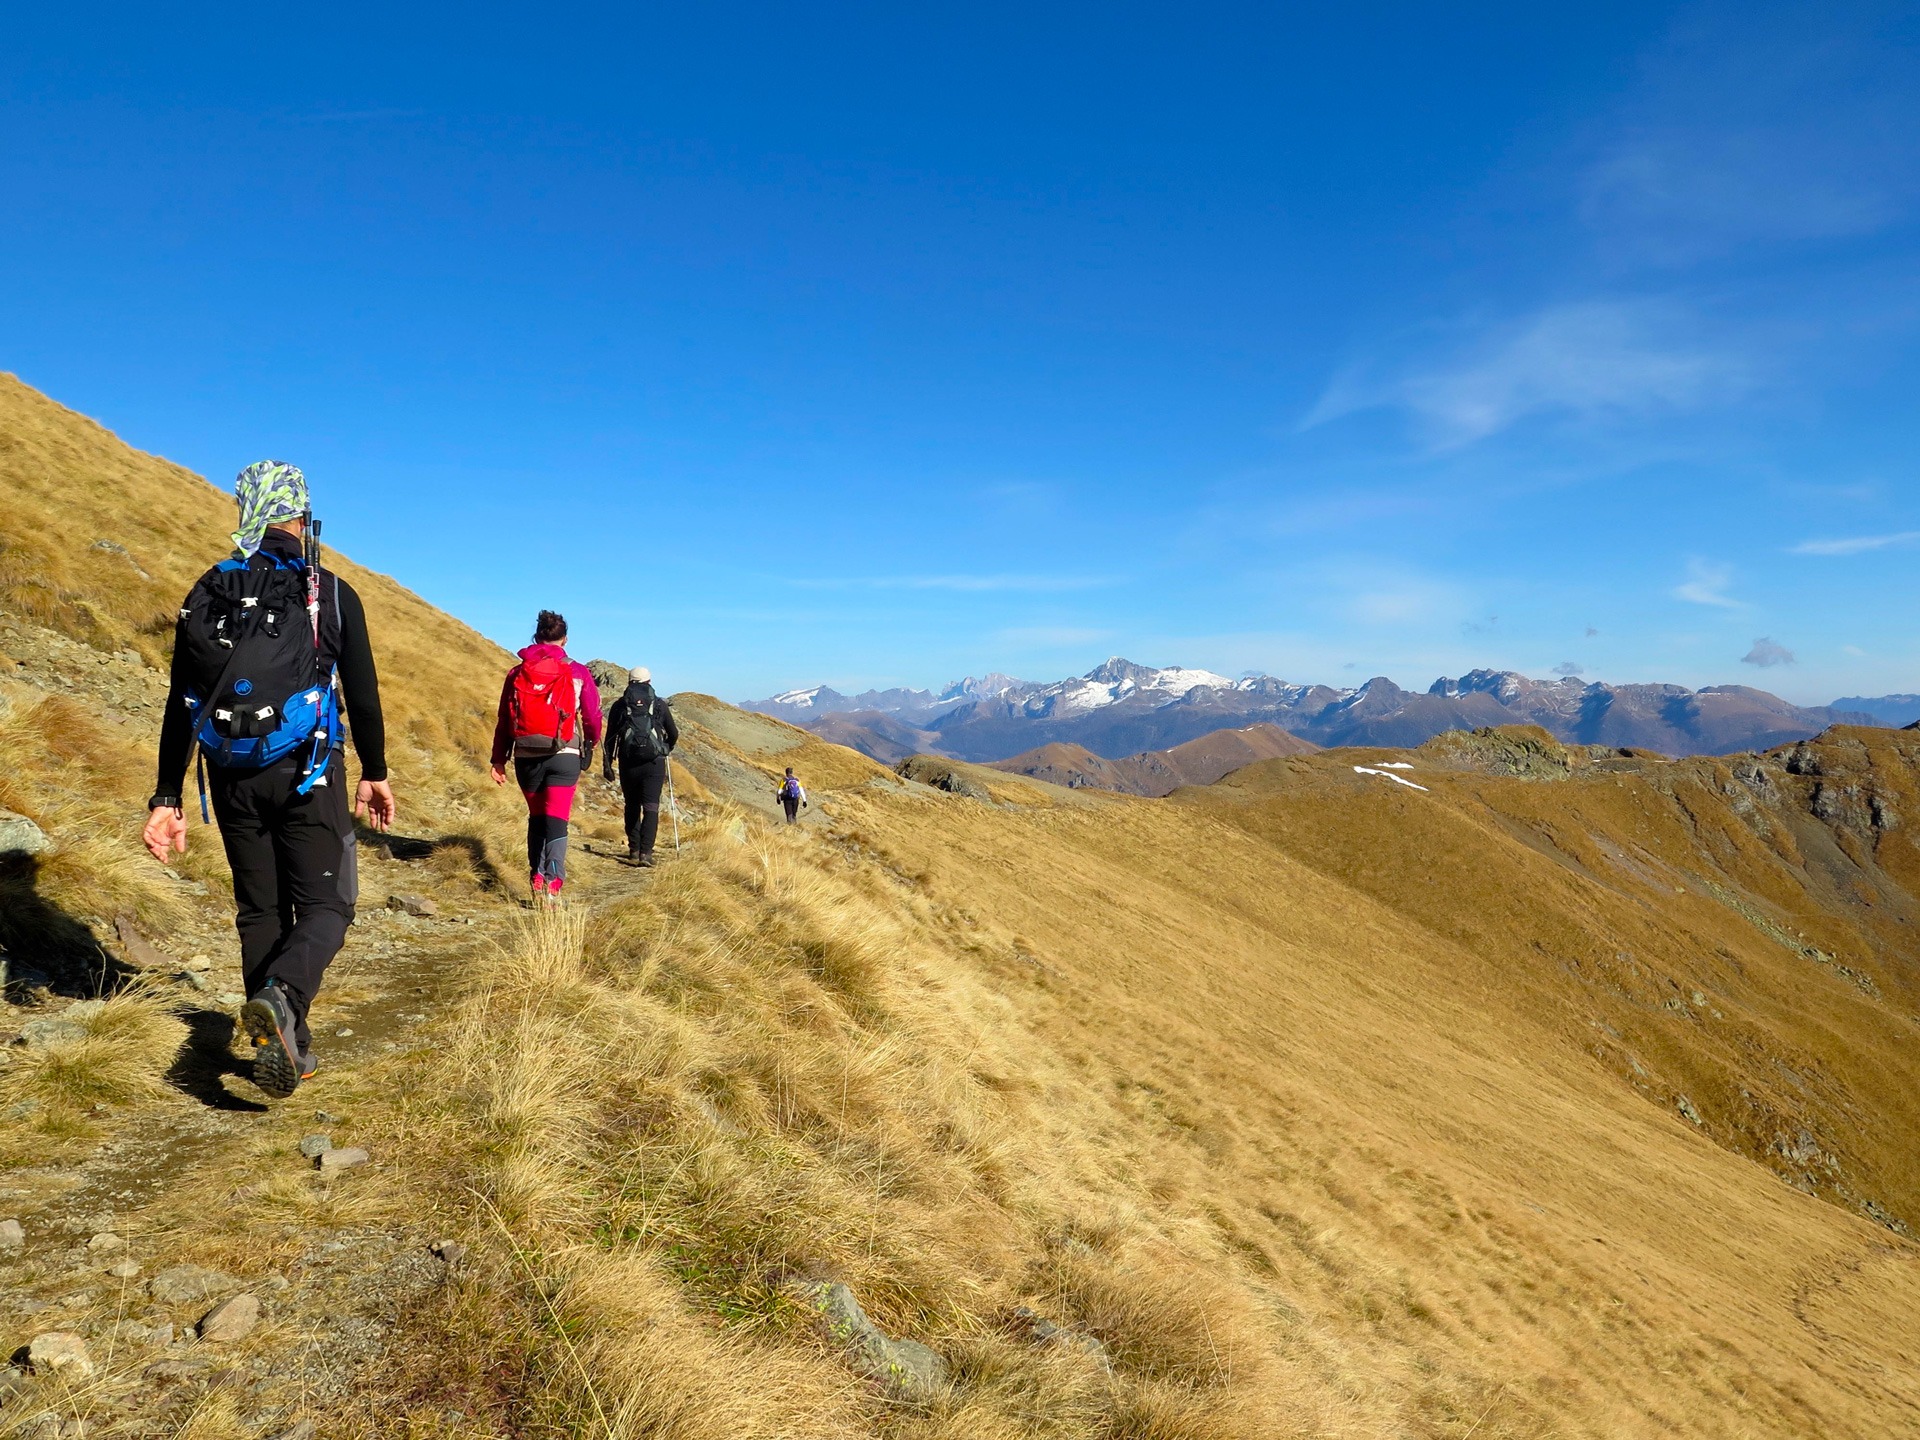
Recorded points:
(1894, 710)
(1121, 709)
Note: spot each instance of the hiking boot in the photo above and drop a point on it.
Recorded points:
(278, 1063)
(645, 862)
(309, 1063)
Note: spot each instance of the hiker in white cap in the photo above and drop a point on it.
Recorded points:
(640, 736)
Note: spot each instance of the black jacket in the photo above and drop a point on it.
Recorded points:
(343, 643)
(638, 695)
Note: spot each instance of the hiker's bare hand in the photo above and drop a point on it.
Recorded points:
(166, 832)
(374, 799)
(499, 773)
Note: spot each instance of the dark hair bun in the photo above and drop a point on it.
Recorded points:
(551, 626)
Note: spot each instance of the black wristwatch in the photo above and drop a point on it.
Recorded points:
(164, 802)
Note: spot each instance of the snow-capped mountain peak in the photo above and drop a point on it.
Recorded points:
(799, 699)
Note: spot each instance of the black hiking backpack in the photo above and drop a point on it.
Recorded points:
(640, 737)
(256, 681)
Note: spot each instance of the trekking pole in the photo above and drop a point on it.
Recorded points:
(673, 806)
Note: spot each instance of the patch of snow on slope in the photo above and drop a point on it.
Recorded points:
(799, 699)
(1389, 775)
(1077, 697)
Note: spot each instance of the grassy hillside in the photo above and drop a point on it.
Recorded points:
(1568, 1094)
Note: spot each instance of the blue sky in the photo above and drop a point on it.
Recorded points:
(874, 344)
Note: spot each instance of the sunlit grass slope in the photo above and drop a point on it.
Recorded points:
(1307, 1162)
(1577, 1105)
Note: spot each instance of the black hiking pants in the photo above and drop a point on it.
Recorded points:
(295, 877)
(640, 786)
(792, 804)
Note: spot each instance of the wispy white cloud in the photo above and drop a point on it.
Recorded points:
(1591, 360)
(1706, 584)
(1756, 125)
(1856, 544)
(962, 583)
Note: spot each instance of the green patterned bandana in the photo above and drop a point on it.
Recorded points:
(270, 492)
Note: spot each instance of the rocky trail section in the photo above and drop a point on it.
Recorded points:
(209, 1253)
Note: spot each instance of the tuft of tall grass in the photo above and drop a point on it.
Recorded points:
(129, 1042)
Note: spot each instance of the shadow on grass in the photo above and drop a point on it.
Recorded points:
(44, 946)
(410, 849)
(48, 949)
(205, 1061)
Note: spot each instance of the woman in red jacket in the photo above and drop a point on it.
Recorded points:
(549, 722)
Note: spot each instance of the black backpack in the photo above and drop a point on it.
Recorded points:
(256, 680)
(640, 737)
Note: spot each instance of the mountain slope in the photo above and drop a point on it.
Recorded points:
(1308, 1103)
(1157, 772)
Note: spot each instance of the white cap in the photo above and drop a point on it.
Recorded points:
(640, 674)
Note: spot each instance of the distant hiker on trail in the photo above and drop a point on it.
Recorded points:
(641, 732)
(264, 645)
(792, 795)
(549, 722)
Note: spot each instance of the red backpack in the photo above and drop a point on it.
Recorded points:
(543, 706)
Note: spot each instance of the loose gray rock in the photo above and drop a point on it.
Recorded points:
(300, 1430)
(179, 1284)
(1042, 1331)
(13, 1235)
(451, 1251)
(105, 1240)
(330, 1161)
(20, 836)
(314, 1146)
(232, 1319)
(51, 1030)
(141, 953)
(125, 1270)
(59, 1352)
(230, 997)
(910, 1372)
(418, 906)
(195, 980)
(199, 962)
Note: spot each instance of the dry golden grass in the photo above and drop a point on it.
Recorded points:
(1329, 1108)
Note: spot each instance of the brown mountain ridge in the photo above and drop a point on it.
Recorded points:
(1157, 772)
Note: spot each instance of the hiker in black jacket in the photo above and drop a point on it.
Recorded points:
(641, 735)
(264, 647)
